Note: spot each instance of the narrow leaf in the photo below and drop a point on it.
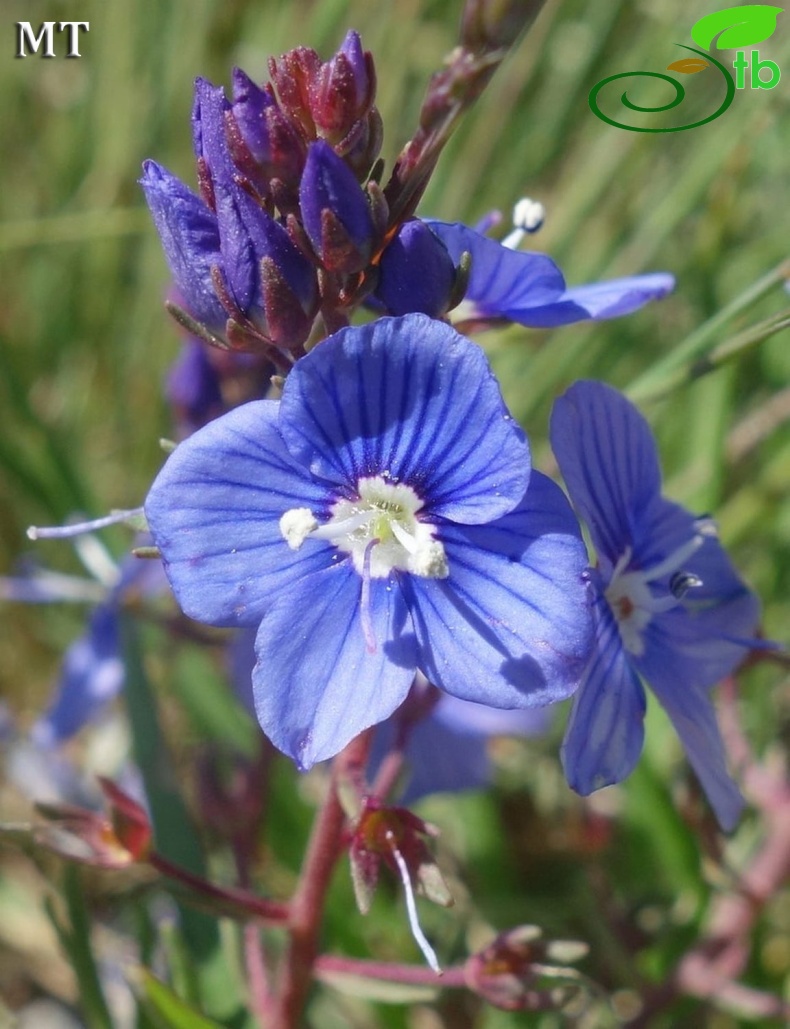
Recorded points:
(168, 1009)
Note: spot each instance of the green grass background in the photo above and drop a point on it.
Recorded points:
(85, 344)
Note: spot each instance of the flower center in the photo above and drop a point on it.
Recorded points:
(380, 530)
(631, 598)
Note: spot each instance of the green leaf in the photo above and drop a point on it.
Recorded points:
(736, 27)
(75, 940)
(166, 1008)
(174, 832)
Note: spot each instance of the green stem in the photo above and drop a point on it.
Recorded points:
(653, 382)
(718, 355)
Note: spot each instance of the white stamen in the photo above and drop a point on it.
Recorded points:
(528, 216)
(364, 603)
(428, 952)
(674, 561)
(385, 512)
(631, 600)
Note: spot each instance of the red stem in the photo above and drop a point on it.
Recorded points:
(264, 910)
(306, 907)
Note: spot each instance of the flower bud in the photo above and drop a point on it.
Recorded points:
(344, 90)
(190, 239)
(335, 212)
(293, 76)
(289, 287)
(510, 972)
(94, 839)
(416, 272)
(262, 143)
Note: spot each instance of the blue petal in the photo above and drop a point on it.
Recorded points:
(511, 625)
(441, 759)
(694, 719)
(412, 400)
(605, 732)
(214, 513)
(503, 283)
(598, 300)
(316, 684)
(190, 238)
(608, 459)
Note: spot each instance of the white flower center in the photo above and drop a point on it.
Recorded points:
(380, 530)
(634, 603)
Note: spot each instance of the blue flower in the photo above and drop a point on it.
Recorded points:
(670, 608)
(529, 288)
(380, 518)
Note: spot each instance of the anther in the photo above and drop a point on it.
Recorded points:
(528, 216)
(682, 582)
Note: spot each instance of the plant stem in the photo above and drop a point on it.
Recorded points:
(241, 901)
(698, 342)
(390, 972)
(307, 905)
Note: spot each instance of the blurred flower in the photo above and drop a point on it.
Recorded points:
(521, 971)
(446, 740)
(529, 288)
(669, 608)
(92, 673)
(205, 382)
(381, 517)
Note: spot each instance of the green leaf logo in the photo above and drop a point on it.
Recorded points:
(736, 26)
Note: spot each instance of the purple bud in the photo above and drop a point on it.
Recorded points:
(193, 387)
(190, 238)
(335, 211)
(261, 141)
(250, 103)
(239, 216)
(344, 90)
(416, 272)
(289, 286)
(293, 76)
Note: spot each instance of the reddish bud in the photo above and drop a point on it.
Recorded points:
(95, 839)
(511, 973)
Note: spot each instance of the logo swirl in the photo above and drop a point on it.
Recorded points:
(680, 95)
